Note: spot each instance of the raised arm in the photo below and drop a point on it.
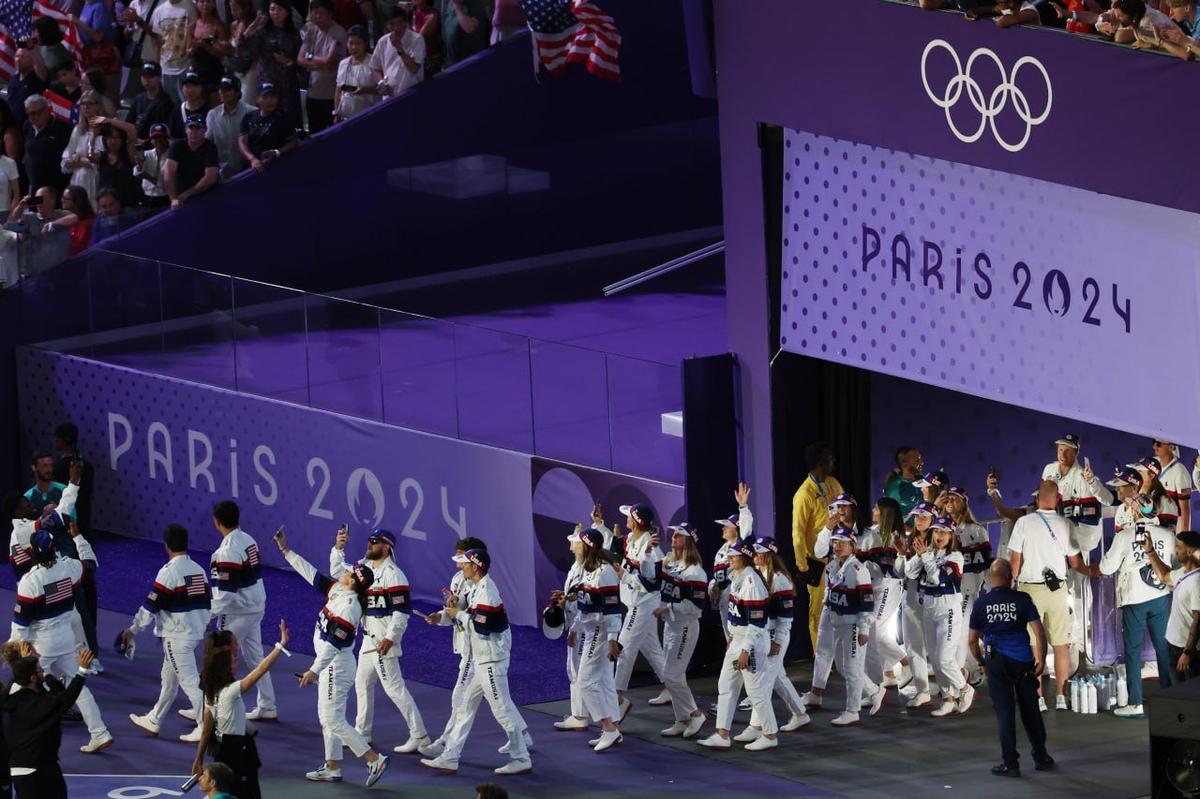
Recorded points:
(264, 666)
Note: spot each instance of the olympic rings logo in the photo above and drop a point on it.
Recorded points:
(989, 108)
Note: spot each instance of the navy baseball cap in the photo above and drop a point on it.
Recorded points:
(938, 479)
(151, 68)
(593, 538)
(924, 509)
(766, 544)
(742, 547)
(363, 575)
(386, 536)
(843, 533)
(266, 87)
(642, 514)
(159, 129)
(1125, 477)
(191, 76)
(1070, 440)
(195, 121)
(479, 557)
(733, 521)
(231, 83)
(42, 542)
(686, 528)
(955, 491)
(1149, 464)
(943, 523)
(844, 499)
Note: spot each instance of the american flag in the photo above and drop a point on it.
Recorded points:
(252, 554)
(195, 585)
(574, 31)
(70, 34)
(16, 24)
(59, 590)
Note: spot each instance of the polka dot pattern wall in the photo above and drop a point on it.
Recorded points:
(987, 283)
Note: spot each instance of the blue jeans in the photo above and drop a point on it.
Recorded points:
(1136, 620)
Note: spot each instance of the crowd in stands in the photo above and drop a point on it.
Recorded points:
(1169, 26)
(174, 97)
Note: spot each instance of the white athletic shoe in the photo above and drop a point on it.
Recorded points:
(375, 770)
(188, 715)
(809, 699)
(965, 699)
(663, 698)
(432, 750)
(675, 730)
(904, 676)
(1060, 702)
(514, 767)
(745, 705)
(98, 743)
(528, 744)
(1042, 704)
(324, 774)
(748, 734)
(191, 737)
(571, 724)
(694, 725)
(715, 741)
(439, 763)
(948, 708)
(146, 722)
(623, 707)
(877, 701)
(889, 680)
(796, 722)
(608, 740)
(762, 742)
(845, 719)
(1130, 712)
(412, 745)
(258, 714)
(919, 700)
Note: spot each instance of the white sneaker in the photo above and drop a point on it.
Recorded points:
(919, 700)
(1060, 702)
(1130, 712)
(745, 705)
(904, 676)
(571, 724)
(762, 742)
(608, 740)
(258, 714)
(965, 699)
(845, 719)
(375, 770)
(810, 699)
(694, 725)
(877, 701)
(796, 722)
(748, 734)
(715, 741)
(1042, 704)
(528, 744)
(439, 763)
(191, 737)
(324, 774)
(675, 730)
(147, 722)
(188, 715)
(948, 708)
(432, 750)
(98, 743)
(889, 681)
(663, 698)
(623, 707)
(514, 767)
(412, 745)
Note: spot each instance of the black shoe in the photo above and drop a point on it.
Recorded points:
(1045, 765)
(1005, 770)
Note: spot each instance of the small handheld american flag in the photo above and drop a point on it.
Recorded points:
(574, 31)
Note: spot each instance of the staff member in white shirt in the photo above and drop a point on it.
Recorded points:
(1041, 550)
(1183, 625)
(399, 58)
(1175, 479)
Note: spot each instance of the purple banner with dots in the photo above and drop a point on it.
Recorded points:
(997, 285)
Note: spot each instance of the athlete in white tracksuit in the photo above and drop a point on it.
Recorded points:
(843, 512)
(239, 598)
(179, 607)
(640, 585)
(45, 616)
(489, 646)
(745, 660)
(459, 587)
(883, 650)
(937, 567)
(739, 526)
(26, 520)
(389, 607)
(683, 598)
(333, 668)
(976, 548)
(914, 638)
(781, 611)
(557, 618)
(850, 601)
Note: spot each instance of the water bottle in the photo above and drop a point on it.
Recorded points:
(1075, 695)
(1091, 696)
(1122, 688)
(1110, 692)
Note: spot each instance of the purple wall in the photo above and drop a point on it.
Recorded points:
(857, 76)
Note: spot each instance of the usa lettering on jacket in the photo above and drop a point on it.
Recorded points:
(677, 587)
(748, 601)
(848, 589)
(636, 553)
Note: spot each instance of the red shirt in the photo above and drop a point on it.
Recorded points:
(81, 235)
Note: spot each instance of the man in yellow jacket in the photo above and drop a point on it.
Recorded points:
(809, 513)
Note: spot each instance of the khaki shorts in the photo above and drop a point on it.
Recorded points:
(1054, 610)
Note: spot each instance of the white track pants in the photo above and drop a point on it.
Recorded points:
(574, 655)
(755, 677)
(333, 694)
(65, 667)
(596, 685)
(247, 627)
(385, 670)
(488, 681)
(466, 672)
(883, 650)
(679, 642)
(639, 634)
(941, 618)
(972, 584)
(826, 650)
(178, 671)
(778, 681)
(851, 661)
(914, 638)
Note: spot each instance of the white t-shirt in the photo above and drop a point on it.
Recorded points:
(229, 713)
(1185, 600)
(170, 22)
(386, 60)
(10, 264)
(1039, 549)
(351, 74)
(1136, 580)
(8, 172)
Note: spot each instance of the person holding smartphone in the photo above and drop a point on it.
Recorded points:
(356, 84)
(399, 58)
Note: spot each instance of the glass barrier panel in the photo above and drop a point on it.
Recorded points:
(126, 298)
(269, 342)
(56, 309)
(640, 392)
(494, 404)
(343, 357)
(199, 329)
(570, 403)
(418, 373)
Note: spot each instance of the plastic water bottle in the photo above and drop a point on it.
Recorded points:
(1075, 695)
(1122, 688)
(1092, 696)
(1110, 693)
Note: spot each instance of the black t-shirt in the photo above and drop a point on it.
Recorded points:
(43, 155)
(1001, 616)
(266, 133)
(20, 88)
(145, 112)
(190, 164)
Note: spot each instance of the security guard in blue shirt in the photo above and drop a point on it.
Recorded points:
(1003, 618)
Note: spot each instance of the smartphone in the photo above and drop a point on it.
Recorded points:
(1087, 464)
(278, 532)
(994, 474)
(348, 87)
(345, 528)
(299, 675)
